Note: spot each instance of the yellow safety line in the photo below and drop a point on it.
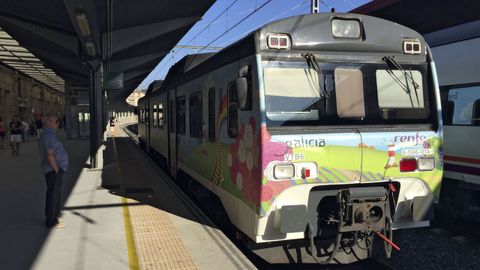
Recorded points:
(131, 249)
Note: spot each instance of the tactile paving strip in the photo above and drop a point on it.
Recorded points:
(157, 242)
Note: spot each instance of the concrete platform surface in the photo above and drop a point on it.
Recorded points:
(126, 215)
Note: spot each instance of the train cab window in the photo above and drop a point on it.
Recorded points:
(211, 115)
(293, 94)
(196, 115)
(181, 110)
(232, 123)
(394, 95)
(155, 115)
(160, 115)
(349, 91)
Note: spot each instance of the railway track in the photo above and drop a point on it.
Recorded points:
(455, 225)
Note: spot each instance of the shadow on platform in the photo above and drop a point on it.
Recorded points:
(22, 204)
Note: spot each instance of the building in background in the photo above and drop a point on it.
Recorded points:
(27, 97)
(133, 98)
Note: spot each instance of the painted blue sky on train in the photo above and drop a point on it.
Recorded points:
(224, 30)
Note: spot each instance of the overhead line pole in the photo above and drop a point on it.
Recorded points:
(315, 7)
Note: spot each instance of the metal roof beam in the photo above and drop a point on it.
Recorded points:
(56, 61)
(137, 73)
(126, 64)
(62, 39)
(128, 37)
(69, 76)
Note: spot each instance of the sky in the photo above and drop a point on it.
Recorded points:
(229, 20)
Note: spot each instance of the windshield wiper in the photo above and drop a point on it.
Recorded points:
(312, 63)
(392, 64)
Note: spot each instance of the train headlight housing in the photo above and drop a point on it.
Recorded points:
(279, 41)
(342, 28)
(412, 47)
(284, 171)
(426, 164)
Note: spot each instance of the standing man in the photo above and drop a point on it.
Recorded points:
(15, 135)
(54, 164)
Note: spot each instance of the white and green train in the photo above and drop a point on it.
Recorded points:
(315, 133)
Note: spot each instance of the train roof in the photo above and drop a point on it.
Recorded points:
(192, 66)
(379, 35)
(155, 85)
(187, 63)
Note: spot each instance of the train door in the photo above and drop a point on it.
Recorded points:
(172, 135)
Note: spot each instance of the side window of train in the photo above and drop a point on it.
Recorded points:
(155, 115)
(147, 115)
(476, 113)
(243, 85)
(195, 114)
(232, 123)
(181, 121)
(160, 114)
(211, 114)
(463, 106)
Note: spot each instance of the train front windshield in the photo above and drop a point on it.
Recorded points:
(346, 94)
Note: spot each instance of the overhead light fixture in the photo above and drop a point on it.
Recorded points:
(90, 46)
(82, 22)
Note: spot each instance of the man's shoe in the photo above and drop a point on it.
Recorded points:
(59, 225)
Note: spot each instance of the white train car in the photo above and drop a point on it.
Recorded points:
(457, 57)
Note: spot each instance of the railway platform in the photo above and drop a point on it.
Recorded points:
(126, 215)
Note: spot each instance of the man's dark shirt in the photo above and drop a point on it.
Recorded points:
(15, 128)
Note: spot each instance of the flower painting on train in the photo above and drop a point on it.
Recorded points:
(243, 161)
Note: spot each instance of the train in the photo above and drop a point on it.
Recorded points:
(317, 135)
(458, 62)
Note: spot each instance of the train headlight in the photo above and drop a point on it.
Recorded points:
(412, 47)
(284, 171)
(279, 41)
(342, 28)
(426, 164)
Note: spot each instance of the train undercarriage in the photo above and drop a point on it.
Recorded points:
(347, 225)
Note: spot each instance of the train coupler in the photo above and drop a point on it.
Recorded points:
(363, 209)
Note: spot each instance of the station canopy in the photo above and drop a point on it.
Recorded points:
(19, 58)
(54, 41)
(430, 16)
